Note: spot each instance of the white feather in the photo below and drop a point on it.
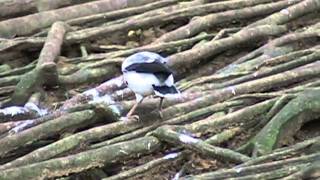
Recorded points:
(141, 83)
(169, 81)
(139, 97)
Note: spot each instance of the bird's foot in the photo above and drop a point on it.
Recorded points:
(130, 118)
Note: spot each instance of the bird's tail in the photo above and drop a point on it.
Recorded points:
(166, 91)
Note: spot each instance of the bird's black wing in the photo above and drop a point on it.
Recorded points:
(157, 68)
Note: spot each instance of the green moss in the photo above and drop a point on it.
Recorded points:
(286, 122)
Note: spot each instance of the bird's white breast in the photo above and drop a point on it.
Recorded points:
(141, 83)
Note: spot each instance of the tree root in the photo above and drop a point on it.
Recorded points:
(199, 24)
(166, 134)
(247, 71)
(45, 72)
(302, 161)
(16, 26)
(285, 123)
(82, 161)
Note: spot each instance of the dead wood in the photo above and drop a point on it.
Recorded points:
(43, 5)
(172, 46)
(73, 141)
(311, 171)
(306, 59)
(260, 168)
(45, 72)
(178, 120)
(282, 152)
(290, 13)
(297, 112)
(52, 127)
(82, 161)
(135, 23)
(166, 134)
(199, 24)
(103, 17)
(247, 70)
(184, 60)
(30, 24)
(145, 167)
(14, 8)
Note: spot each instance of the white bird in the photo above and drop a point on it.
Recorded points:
(146, 73)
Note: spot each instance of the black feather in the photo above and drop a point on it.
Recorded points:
(160, 70)
(165, 89)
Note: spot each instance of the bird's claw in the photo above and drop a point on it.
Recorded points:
(130, 118)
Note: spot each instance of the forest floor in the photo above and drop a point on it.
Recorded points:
(248, 72)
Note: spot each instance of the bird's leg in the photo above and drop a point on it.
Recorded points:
(132, 110)
(160, 107)
(134, 107)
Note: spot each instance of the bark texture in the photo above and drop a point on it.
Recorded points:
(248, 72)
